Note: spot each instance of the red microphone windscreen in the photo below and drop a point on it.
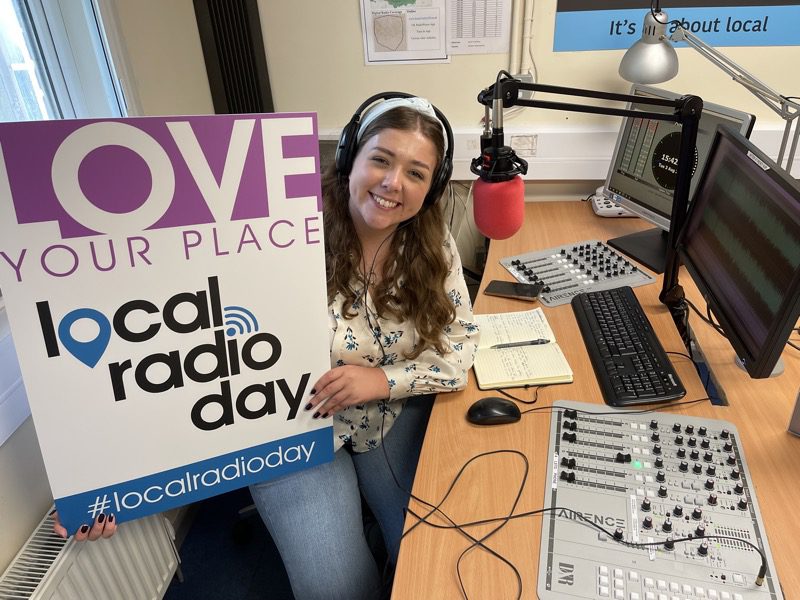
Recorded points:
(499, 208)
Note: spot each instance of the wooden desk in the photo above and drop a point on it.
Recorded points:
(488, 487)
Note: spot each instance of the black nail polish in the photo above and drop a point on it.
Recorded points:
(101, 518)
(52, 512)
(111, 519)
(309, 406)
(316, 415)
(325, 416)
(84, 529)
(313, 391)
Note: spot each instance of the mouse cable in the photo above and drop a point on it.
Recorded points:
(475, 542)
(535, 387)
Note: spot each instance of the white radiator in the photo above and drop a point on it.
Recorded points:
(137, 563)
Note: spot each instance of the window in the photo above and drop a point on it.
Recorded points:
(54, 63)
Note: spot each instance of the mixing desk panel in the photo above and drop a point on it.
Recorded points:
(654, 478)
(568, 270)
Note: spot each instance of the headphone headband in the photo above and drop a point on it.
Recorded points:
(366, 113)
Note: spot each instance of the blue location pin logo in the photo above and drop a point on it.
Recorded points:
(88, 353)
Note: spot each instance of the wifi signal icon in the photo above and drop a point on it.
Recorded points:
(239, 320)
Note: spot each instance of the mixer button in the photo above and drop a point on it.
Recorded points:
(603, 591)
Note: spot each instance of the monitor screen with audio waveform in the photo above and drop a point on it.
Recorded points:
(741, 244)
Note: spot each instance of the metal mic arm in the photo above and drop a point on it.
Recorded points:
(783, 106)
(685, 111)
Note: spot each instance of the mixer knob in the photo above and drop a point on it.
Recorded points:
(700, 531)
(709, 484)
(697, 514)
(708, 456)
(669, 544)
(738, 488)
(724, 434)
(655, 437)
(702, 431)
(622, 458)
(662, 491)
(646, 504)
(659, 461)
(656, 449)
(734, 473)
(711, 470)
(528, 272)
(667, 525)
(568, 462)
(571, 425)
(684, 466)
(653, 424)
(676, 428)
(731, 460)
(596, 277)
(681, 453)
(742, 504)
(569, 437)
(546, 289)
(679, 440)
(692, 442)
(689, 429)
(694, 454)
(727, 446)
(563, 251)
(702, 550)
(574, 261)
(568, 477)
(618, 533)
(678, 510)
(697, 468)
(574, 248)
(535, 277)
(712, 499)
(705, 443)
(647, 523)
(660, 476)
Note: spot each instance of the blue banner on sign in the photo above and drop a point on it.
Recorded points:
(175, 487)
(733, 26)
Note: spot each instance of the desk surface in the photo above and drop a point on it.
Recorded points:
(489, 485)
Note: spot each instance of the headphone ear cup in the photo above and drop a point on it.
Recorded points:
(440, 180)
(346, 148)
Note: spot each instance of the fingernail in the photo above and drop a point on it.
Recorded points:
(84, 529)
(111, 519)
(316, 415)
(52, 512)
(101, 518)
(309, 406)
(325, 416)
(313, 390)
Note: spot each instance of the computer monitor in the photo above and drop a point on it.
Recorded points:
(741, 245)
(643, 171)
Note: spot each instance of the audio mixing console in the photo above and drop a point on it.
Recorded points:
(654, 478)
(568, 270)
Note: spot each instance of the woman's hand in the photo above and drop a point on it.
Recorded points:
(104, 526)
(345, 386)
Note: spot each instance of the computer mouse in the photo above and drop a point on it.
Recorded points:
(493, 410)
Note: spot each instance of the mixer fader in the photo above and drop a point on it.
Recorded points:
(654, 478)
(568, 270)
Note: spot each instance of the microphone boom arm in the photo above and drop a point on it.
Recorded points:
(686, 112)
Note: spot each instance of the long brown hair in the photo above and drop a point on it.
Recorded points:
(412, 288)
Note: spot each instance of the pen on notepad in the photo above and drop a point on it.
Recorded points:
(528, 343)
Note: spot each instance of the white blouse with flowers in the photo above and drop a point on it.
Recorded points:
(355, 342)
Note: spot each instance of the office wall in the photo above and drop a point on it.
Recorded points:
(316, 62)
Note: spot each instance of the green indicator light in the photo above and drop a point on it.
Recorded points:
(637, 464)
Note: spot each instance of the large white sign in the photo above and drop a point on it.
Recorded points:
(165, 283)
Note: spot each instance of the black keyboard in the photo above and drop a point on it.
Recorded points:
(627, 357)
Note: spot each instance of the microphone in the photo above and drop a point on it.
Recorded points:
(499, 194)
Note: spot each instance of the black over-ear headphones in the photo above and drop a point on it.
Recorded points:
(348, 144)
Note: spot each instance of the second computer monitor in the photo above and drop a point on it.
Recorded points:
(643, 172)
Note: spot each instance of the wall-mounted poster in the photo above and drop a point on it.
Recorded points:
(617, 24)
(165, 283)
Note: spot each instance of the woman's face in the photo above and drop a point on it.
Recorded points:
(390, 177)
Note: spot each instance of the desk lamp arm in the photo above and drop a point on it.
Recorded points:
(786, 108)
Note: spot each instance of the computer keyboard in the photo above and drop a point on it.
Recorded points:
(627, 357)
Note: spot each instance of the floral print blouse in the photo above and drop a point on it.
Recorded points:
(354, 342)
